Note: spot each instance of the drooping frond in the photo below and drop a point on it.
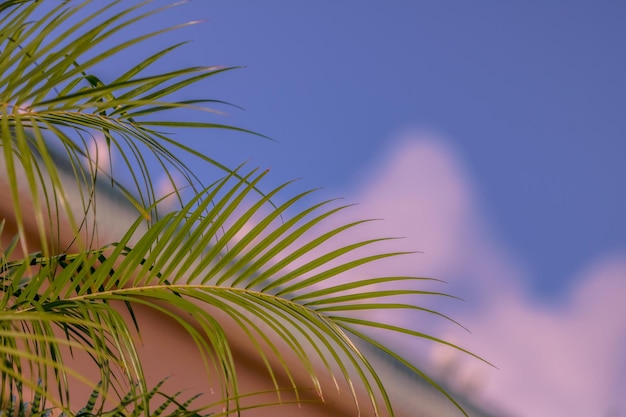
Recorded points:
(53, 103)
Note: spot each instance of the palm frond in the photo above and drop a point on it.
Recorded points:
(229, 258)
(53, 102)
(129, 405)
(267, 279)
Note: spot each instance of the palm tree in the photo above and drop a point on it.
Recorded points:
(230, 250)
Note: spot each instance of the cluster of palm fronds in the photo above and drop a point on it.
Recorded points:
(231, 246)
(129, 406)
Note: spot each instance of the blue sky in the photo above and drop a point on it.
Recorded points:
(490, 134)
(530, 95)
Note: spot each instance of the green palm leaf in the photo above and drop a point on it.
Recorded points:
(184, 261)
(52, 102)
(230, 256)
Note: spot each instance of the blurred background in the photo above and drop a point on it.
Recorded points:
(491, 135)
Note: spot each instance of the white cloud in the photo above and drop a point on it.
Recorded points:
(561, 360)
(554, 360)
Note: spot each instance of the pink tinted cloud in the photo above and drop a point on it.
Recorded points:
(554, 360)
